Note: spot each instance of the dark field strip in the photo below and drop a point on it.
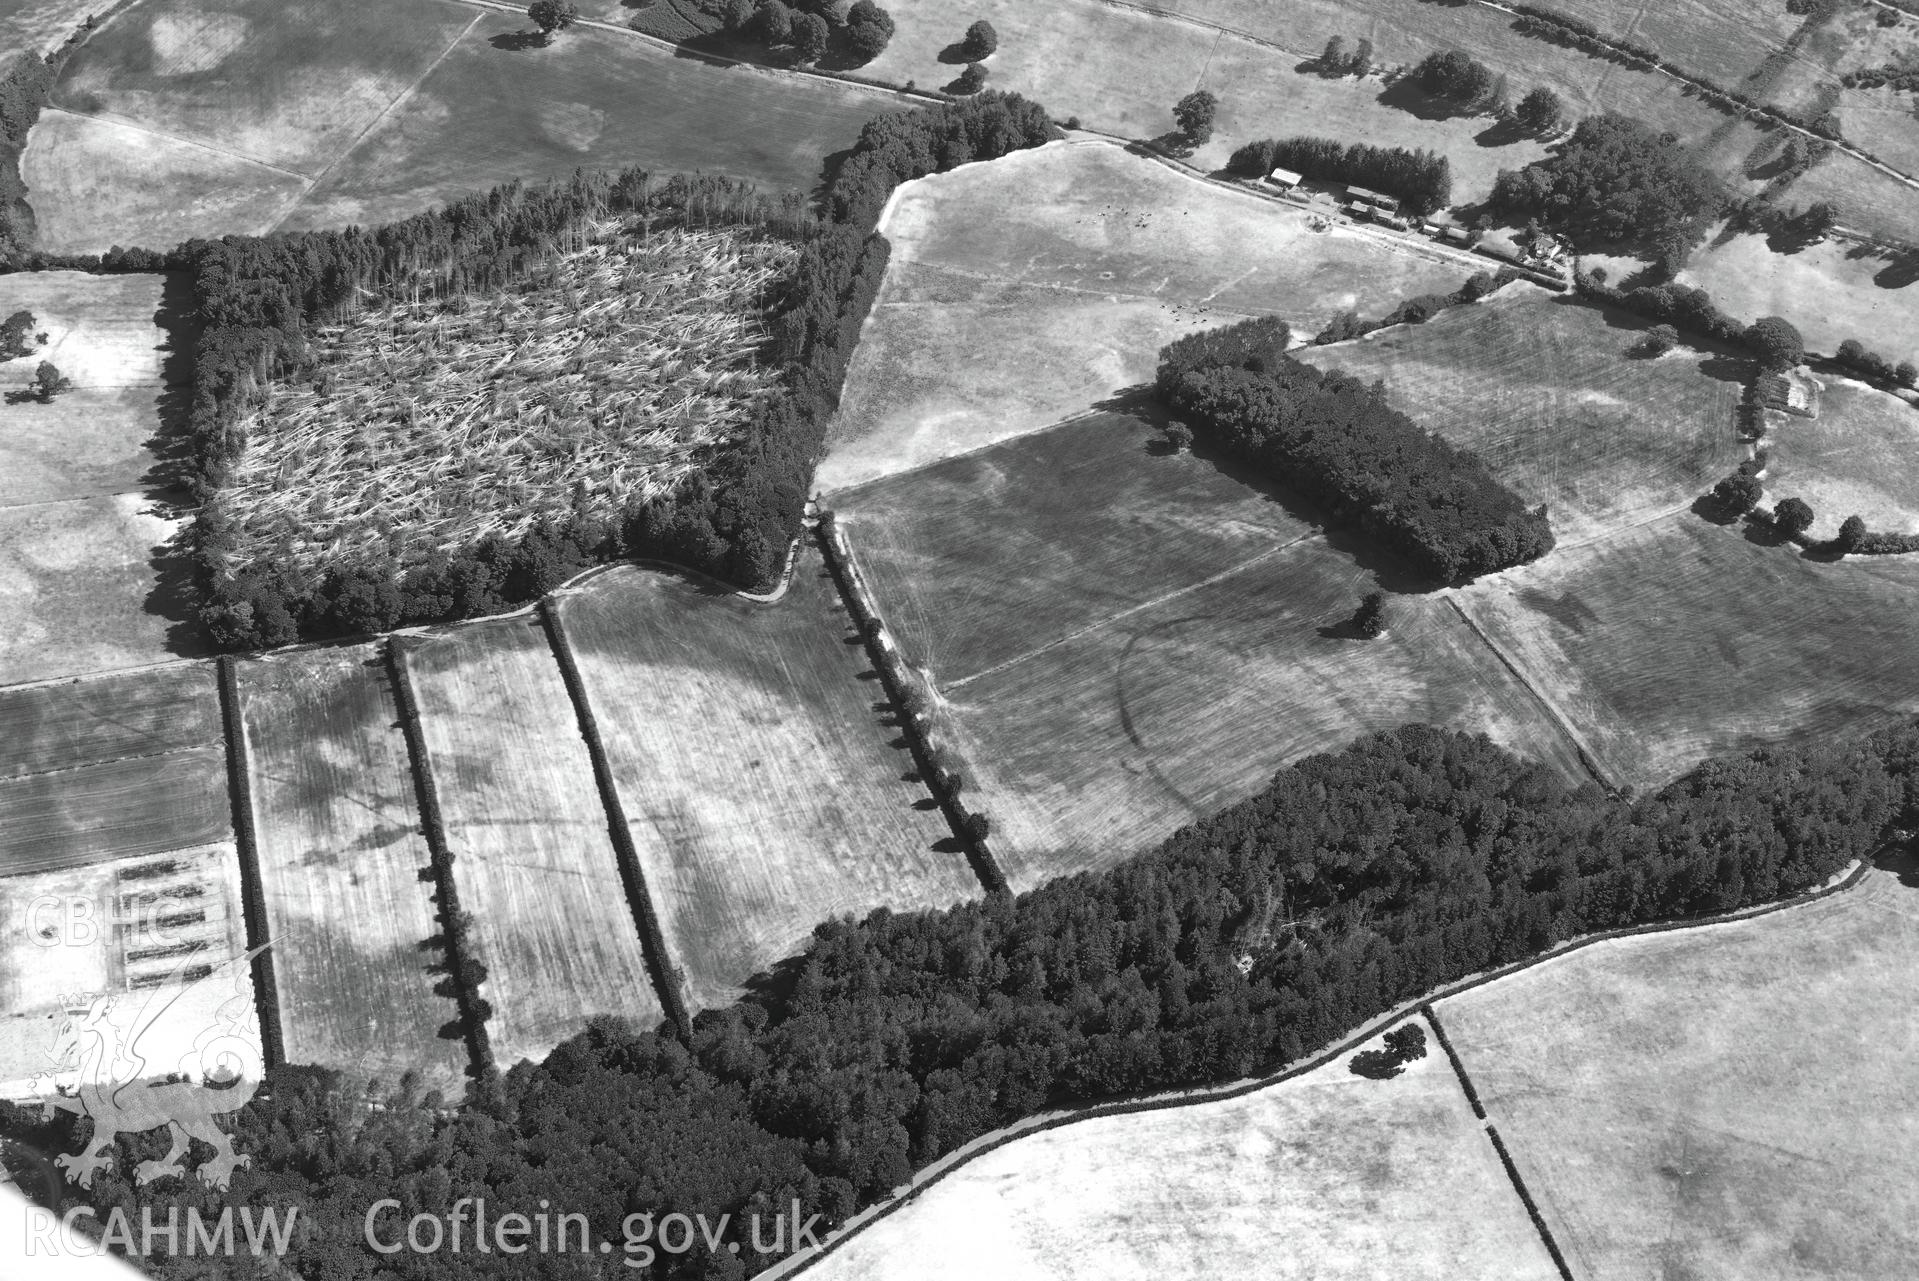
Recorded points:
(105, 718)
(142, 805)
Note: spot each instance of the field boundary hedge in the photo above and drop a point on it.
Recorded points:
(858, 599)
(1499, 1145)
(253, 903)
(957, 1159)
(460, 957)
(667, 978)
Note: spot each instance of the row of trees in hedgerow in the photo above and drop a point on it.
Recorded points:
(1358, 880)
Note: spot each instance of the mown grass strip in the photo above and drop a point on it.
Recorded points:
(666, 975)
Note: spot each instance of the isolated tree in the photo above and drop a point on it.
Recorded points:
(1818, 218)
(1793, 516)
(1657, 341)
(1179, 435)
(773, 22)
(1540, 112)
(1194, 113)
(1369, 619)
(869, 28)
(970, 80)
(17, 337)
(1852, 534)
(1407, 1042)
(552, 15)
(1332, 59)
(1455, 76)
(980, 41)
(1906, 374)
(1738, 494)
(1775, 341)
(49, 382)
(810, 36)
(1362, 60)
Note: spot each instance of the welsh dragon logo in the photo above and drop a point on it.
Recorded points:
(107, 1043)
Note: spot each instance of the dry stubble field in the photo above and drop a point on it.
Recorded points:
(344, 867)
(1732, 1103)
(755, 767)
(1031, 289)
(1678, 640)
(1327, 1176)
(1541, 387)
(80, 520)
(531, 854)
(1102, 620)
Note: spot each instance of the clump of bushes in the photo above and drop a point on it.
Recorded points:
(971, 80)
(1457, 77)
(1855, 357)
(1404, 1044)
(1370, 620)
(980, 41)
(1656, 341)
(1335, 440)
(1421, 180)
(18, 337)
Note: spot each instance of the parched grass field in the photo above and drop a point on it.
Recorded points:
(1328, 1176)
(1100, 620)
(1830, 292)
(1678, 640)
(499, 109)
(344, 867)
(93, 182)
(1859, 457)
(288, 85)
(582, 390)
(145, 713)
(1031, 289)
(531, 853)
(81, 522)
(755, 767)
(1541, 387)
(155, 922)
(1728, 1102)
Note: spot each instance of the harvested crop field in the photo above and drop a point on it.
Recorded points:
(139, 926)
(1327, 1176)
(1101, 619)
(93, 184)
(81, 522)
(344, 867)
(499, 109)
(1859, 457)
(1542, 388)
(582, 391)
(43, 25)
(1030, 289)
(1727, 1102)
(1678, 640)
(144, 713)
(287, 85)
(531, 854)
(140, 805)
(755, 767)
(1830, 292)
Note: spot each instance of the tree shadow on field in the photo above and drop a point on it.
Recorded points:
(1500, 133)
(518, 41)
(1406, 95)
(174, 594)
(1903, 270)
(1392, 574)
(954, 55)
(1902, 861)
(829, 172)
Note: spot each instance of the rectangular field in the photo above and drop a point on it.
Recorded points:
(531, 853)
(755, 766)
(146, 713)
(1327, 1176)
(1720, 1102)
(499, 109)
(344, 868)
(1541, 387)
(1860, 457)
(141, 927)
(93, 813)
(1830, 292)
(1128, 641)
(1679, 640)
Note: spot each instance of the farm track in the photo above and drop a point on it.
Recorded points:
(957, 1159)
